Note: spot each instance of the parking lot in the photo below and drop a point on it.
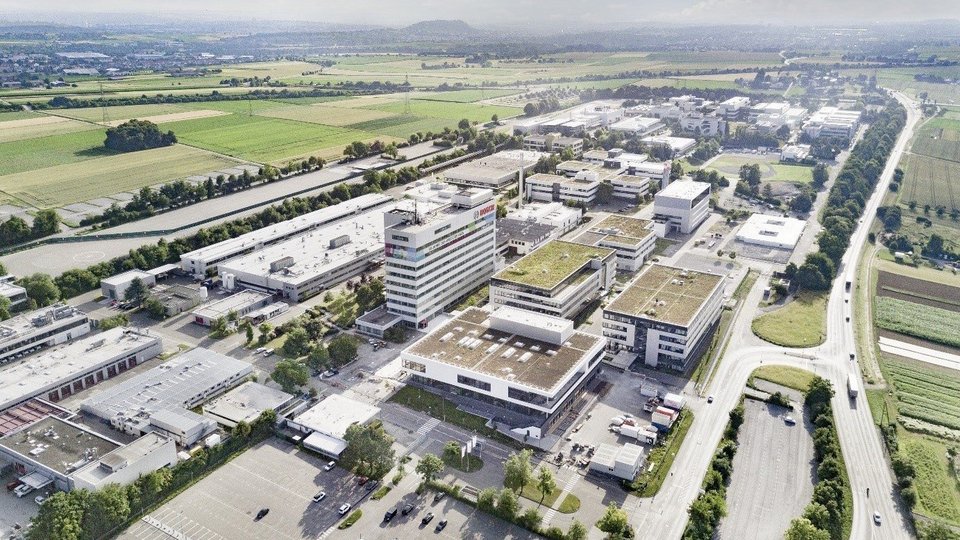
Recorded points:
(274, 475)
(15, 510)
(773, 472)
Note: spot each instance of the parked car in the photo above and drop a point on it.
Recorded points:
(427, 518)
(362, 480)
(13, 484)
(389, 515)
(440, 526)
(319, 496)
(407, 508)
(39, 499)
(439, 496)
(344, 508)
(262, 514)
(329, 466)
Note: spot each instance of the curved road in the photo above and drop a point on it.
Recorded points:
(863, 450)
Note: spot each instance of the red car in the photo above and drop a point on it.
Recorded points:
(362, 480)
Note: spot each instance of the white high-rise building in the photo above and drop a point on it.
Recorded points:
(439, 247)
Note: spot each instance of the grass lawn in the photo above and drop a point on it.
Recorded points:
(568, 505)
(661, 457)
(63, 184)
(791, 377)
(771, 169)
(438, 407)
(937, 491)
(450, 110)
(801, 323)
(471, 464)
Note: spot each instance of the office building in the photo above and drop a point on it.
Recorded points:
(243, 304)
(667, 315)
(632, 239)
(767, 109)
(734, 108)
(794, 153)
(326, 423)
(11, 291)
(558, 279)
(438, 250)
(177, 299)
(498, 171)
(681, 206)
(246, 403)
(115, 287)
(832, 122)
(703, 125)
(63, 371)
(561, 217)
(515, 237)
(45, 327)
(306, 265)
(771, 231)
(581, 188)
(631, 188)
(126, 464)
(159, 400)
(553, 143)
(638, 126)
(530, 365)
(200, 261)
(679, 146)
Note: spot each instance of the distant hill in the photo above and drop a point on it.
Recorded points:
(441, 28)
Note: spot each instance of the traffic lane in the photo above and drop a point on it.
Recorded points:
(463, 521)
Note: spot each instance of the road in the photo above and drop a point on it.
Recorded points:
(860, 441)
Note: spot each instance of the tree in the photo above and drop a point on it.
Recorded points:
(531, 519)
(343, 349)
(614, 520)
(45, 223)
(136, 292)
(155, 308)
(818, 515)
(819, 392)
(290, 375)
(495, 119)
(319, 357)
(219, 328)
(935, 245)
(106, 509)
(810, 278)
(801, 204)
(802, 529)
(604, 192)
(577, 531)
(369, 449)
(517, 471)
(242, 429)
(487, 500)
(463, 124)
(508, 504)
(297, 343)
(266, 331)
(820, 175)
(248, 330)
(41, 288)
(134, 135)
(60, 517)
(14, 231)
(430, 467)
(892, 218)
(546, 484)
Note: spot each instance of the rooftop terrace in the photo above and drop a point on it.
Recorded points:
(551, 264)
(666, 293)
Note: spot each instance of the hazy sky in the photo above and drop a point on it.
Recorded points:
(570, 13)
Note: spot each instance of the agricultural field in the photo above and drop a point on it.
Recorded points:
(32, 126)
(448, 110)
(464, 96)
(60, 185)
(924, 292)
(937, 491)
(917, 320)
(40, 152)
(771, 169)
(925, 392)
(330, 115)
(933, 165)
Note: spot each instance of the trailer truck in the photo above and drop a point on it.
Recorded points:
(853, 387)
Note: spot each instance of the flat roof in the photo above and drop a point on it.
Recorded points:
(551, 264)
(319, 251)
(288, 227)
(123, 456)
(35, 374)
(505, 355)
(676, 143)
(246, 402)
(58, 444)
(657, 294)
(622, 229)
(560, 179)
(171, 385)
(764, 229)
(125, 277)
(509, 229)
(24, 325)
(29, 412)
(334, 414)
(234, 302)
(545, 210)
(683, 189)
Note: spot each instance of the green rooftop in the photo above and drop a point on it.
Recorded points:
(552, 264)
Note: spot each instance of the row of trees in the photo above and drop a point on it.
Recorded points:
(825, 516)
(849, 194)
(711, 505)
(135, 135)
(63, 102)
(15, 230)
(92, 515)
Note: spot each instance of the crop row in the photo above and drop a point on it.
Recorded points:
(925, 322)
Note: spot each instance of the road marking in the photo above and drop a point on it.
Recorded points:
(428, 427)
(568, 486)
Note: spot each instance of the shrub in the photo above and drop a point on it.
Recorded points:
(351, 519)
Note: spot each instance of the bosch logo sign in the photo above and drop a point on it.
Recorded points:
(484, 211)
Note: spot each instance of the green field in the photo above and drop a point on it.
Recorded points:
(933, 165)
(925, 322)
(40, 152)
(789, 376)
(326, 114)
(36, 125)
(801, 323)
(96, 114)
(937, 491)
(770, 168)
(464, 96)
(263, 139)
(448, 110)
(926, 392)
(60, 185)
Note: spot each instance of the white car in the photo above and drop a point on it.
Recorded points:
(876, 517)
(330, 466)
(319, 496)
(39, 499)
(344, 509)
(790, 420)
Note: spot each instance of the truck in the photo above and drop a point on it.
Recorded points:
(651, 404)
(639, 433)
(663, 418)
(853, 388)
(848, 285)
(674, 401)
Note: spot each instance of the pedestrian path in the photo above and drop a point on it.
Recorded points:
(428, 427)
(568, 486)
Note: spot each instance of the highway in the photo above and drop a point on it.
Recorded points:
(860, 441)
